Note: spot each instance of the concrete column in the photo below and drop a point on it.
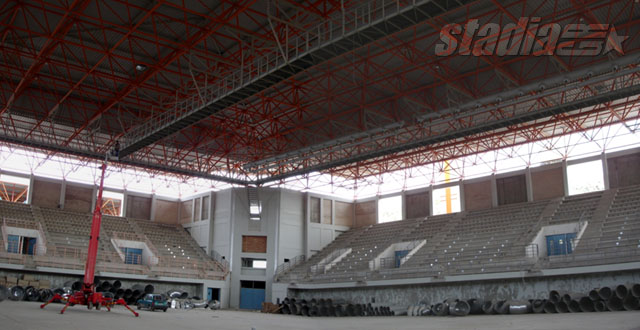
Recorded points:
(152, 212)
(30, 191)
(377, 200)
(63, 192)
(605, 170)
(494, 191)
(404, 205)
(333, 212)
(462, 200)
(321, 209)
(94, 197)
(124, 203)
(565, 177)
(307, 220)
(431, 200)
(529, 184)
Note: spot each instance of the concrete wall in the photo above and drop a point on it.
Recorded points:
(337, 217)
(417, 205)
(148, 257)
(366, 213)
(222, 237)
(200, 227)
(541, 238)
(46, 193)
(547, 183)
(624, 170)
(291, 230)
(344, 213)
(200, 232)
(327, 211)
(522, 288)
(166, 211)
(138, 207)
(186, 211)
(78, 198)
(319, 236)
(241, 225)
(58, 280)
(477, 195)
(315, 209)
(511, 189)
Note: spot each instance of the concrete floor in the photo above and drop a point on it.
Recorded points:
(27, 315)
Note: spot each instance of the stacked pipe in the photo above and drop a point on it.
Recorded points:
(620, 298)
(330, 307)
(112, 289)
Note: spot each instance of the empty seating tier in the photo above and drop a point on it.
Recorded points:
(498, 239)
(67, 239)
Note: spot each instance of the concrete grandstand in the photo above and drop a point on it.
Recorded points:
(371, 151)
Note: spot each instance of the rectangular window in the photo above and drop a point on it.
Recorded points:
(205, 207)
(254, 263)
(13, 188)
(132, 256)
(446, 200)
(196, 210)
(112, 203)
(585, 177)
(314, 209)
(13, 244)
(390, 209)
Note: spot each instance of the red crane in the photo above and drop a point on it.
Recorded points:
(88, 295)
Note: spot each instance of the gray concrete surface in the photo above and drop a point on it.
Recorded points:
(489, 289)
(28, 315)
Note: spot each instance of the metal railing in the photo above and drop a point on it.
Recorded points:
(287, 266)
(597, 252)
(17, 248)
(293, 47)
(224, 263)
(74, 258)
(328, 261)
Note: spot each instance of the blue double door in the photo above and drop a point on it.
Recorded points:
(251, 298)
(560, 244)
(21, 244)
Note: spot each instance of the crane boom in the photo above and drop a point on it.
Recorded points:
(94, 238)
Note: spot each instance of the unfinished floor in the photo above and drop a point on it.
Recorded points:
(27, 315)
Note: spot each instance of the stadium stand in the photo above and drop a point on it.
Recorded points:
(493, 240)
(65, 236)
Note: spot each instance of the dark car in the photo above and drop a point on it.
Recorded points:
(153, 302)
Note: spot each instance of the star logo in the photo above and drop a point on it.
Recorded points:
(614, 42)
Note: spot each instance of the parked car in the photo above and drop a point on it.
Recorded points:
(153, 302)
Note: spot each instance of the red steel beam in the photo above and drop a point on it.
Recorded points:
(191, 42)
(64, 25)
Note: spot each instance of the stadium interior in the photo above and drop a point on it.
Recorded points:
(381, 154)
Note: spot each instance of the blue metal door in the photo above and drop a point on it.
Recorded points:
(31, 245)
(251, 298)
(560, 244)
(399, 255)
